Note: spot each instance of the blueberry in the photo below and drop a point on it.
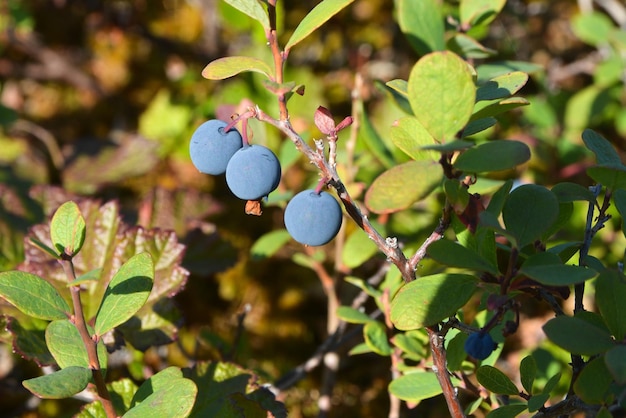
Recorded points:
(480, 345)
(313, 218)
(211, 148)
(253, 172)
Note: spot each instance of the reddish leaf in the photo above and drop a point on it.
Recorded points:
(324, 121)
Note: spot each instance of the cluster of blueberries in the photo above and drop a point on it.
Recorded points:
(253, 172)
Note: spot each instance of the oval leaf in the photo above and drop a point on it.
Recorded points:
(502, 86)
(529, 211)
(252, 8)
(430, 299)
(358, 249)
(353, 316)
(572, 192)
(578, 336)
(496, 381)
(269, 244)
(593, 383)
(442, 94)
(316, 18)
(375, 335)
(67, 229)
(402, 185)
(528, 370)
(410, 136)
(33, 296)
(226, 67)
(610, 297)
(175, 397)
(606, 155)
(126, 293)
(552, 273)
(615, 360)
(493, 156)
(414, 387)
(61, 384)
(474, 12)
(422, 23)
(455, 255)
(67, 347)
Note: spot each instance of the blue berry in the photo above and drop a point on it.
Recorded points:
(313, 218)
(211, 148)
(480, 345)
(253, 172)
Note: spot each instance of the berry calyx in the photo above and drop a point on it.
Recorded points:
(211, 147)
(480, 345)
(313, 218)
(253, 172)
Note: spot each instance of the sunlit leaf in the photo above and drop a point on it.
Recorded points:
(316, 18)
(414, 387)
(474, 12)
(375, 334)
(268, 244)
(502, 86)
(229, 66)
(33, 295)
(252, 8)
(577, 335)
(410, 136)
(67, 229)
(353, 316)
(422, 23)
(68, 348)
(60, 384)
(496, 381)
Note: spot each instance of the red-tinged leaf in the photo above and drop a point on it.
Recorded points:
(324, 121)
(347, 121)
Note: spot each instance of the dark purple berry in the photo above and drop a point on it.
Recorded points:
(480, 345)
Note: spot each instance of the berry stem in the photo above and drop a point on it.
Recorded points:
(320, 185)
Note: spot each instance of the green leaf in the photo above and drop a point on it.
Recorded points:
(455, 351)
(493, 156)
(268, 244)
(495, 381)
(414, 387)
(528, 371)
(453, 254)
(353, 316)
(422, 23)
(493, 69)
(430, 299)
(90, 276)
(227, 67)
(67, 229)
(358, 249)
(478, 125)
(316, 18)
(619, 199)
(467, 47)
(442, 93)
(536, 402)
(252, 8)
(166, 394)
(410, 136)
(610, 297)
(503, 86)
(593, 28)
(29, 338)
(529, 211)
(60, 384)
(605, 153)
(373, 141)
(507, 411)
(577, 335)
(456, 145)
(572, 192)
(474, 12)
(551, 383)
(547, 269)
(402, 185)
(67, 346)
(32, 295)
(126, 293)
(615, 360)
(411, 345)
(489, 108)
(610, 177)
(396, 91)
(375, 334)
(594, 382)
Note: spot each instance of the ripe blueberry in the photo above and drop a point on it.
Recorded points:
(313, 218)
(253, 172)
(211, 148)
(480, 345)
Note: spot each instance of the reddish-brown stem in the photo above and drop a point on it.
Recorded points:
(390, 249)
(89, 343)
(279, 58)
(439, 362)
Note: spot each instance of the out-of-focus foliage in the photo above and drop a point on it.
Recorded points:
(99, 98)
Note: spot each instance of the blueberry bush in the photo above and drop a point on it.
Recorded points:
(403, 208)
